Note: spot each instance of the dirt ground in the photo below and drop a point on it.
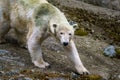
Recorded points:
(15, 62)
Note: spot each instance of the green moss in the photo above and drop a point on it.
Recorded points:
(90, 77)
(95, 77)
(81, 32)
(118, 51)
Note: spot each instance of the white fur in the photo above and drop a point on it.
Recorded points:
(63, 32)
(30, 13)
(34, 21)
(74, 56)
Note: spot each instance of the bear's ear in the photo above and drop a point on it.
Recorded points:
(53, 27)
(74, 24)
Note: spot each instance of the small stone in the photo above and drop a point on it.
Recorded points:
(1, 73)
(119, 76)
(92, 31)
(58, 51)
(15, 70)
(3, 52)
(110, 51)
(26, 78)
(74, 75)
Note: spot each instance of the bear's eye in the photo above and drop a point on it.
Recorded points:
(70, 34)
(61, 33)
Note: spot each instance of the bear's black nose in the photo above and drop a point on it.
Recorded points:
(65, 43)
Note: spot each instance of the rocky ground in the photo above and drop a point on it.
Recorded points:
(15, 62)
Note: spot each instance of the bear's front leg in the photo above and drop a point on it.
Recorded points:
(74, 56)
(34, 47)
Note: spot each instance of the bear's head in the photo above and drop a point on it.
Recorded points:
(63, 32)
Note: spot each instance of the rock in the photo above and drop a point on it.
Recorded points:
(21, 78)
(26, 78)
(110, 51)
(1, 73)
(119, 76)
(74, 75)
(3, 52)
(12, 72)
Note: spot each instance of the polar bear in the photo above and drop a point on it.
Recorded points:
(36, 20)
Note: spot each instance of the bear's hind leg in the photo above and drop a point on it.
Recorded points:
(4, 28)
(4, 19)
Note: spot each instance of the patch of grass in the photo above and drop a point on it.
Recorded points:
(117, 52)
(81, 32)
